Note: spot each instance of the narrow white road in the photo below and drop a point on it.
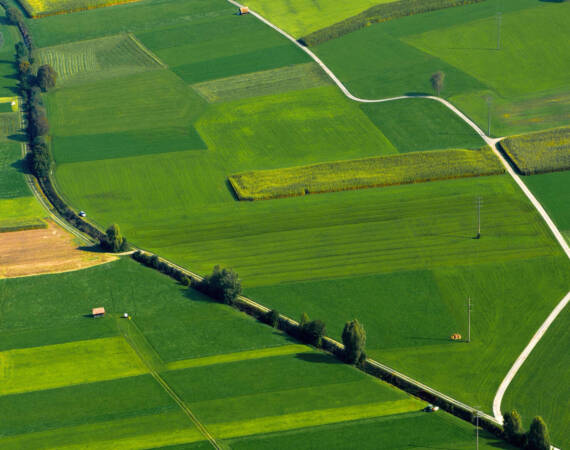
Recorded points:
(493, 144)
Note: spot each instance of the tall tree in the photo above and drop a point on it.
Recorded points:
(437, 80)
(39, 125)
(512, 424)
(538, 437)
(46, 77)
(14, 15)
(222, 284)
(116, 242)
(354, 340)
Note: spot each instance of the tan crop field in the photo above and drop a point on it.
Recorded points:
(545, 151)
(365, 173)
(42, 251)
(41, 8)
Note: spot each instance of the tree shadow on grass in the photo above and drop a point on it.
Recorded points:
(232, 190)
(321, 358)
(91, 248)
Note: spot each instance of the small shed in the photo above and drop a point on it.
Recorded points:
(243, 10)
(98, 312)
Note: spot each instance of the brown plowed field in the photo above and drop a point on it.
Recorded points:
(49, 250)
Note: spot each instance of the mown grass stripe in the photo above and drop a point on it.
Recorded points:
(313, 418)
(237, 356)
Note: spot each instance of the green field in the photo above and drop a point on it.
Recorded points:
(381, 171)
(300, 17)
(398, 57)
(546, 151)
(301, 390)
(553, 192)
(531, 391)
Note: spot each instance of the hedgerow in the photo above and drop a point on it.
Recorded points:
(545, 151)
(379, 171)
(379, 13)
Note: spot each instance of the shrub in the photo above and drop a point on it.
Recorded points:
(14, 15)
(313, 331)
(513, 429)
(354, 340)
(114, 241)
(222, 284)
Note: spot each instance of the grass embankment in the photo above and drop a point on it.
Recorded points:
(300, 391)
(398, 57)
(546, 151)
(532, 393)
(41, 8)
(365, 173)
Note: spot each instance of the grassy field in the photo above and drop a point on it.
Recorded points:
(290, 78)
(40, 8)
(300, 17)
(531, 391)
(365, 173)
(553, 192)
(98, 59)
(12, 182)
(418, 124)
(547, 151)
(301, 390)
(398, 57)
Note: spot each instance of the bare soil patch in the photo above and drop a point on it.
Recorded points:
(49, 250)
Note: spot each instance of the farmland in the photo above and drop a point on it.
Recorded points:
(40, 8)
(365, 173)
(399, 57)
(159, 102)
(546, 151)
(125, 406)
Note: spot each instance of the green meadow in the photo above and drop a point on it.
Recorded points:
(524, 78)
(553, 192)
(301, 390)
(531, 390)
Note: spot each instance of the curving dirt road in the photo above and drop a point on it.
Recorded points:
(493, 144)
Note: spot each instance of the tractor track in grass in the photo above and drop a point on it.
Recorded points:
(491, 142)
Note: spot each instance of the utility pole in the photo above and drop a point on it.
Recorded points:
(469, 319)
(499, 20)
(478, 218)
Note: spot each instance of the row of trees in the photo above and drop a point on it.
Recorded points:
(537, 437)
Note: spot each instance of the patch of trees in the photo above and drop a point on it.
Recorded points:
(114, 241)
(312, 331)
(154, 262)
(379, 13)
(15, 17)
(537, 437)
(223, 285)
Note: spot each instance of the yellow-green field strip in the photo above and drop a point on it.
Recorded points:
(313, 418)
(238, 356)
(365, 173)
(545, 151)
(276, 81)
(53, 366)
(44, 8)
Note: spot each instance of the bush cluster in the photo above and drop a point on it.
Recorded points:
(223, 285)
(379, 13)
(154, 262)
(312, 331)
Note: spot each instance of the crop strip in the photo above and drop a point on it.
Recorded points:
(365, 173)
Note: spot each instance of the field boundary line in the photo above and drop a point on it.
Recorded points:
(147, 51)
(201, 428)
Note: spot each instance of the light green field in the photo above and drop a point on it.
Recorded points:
(531, 392)
(98, 59)
(12, 182)
(365, 173)
(300, 17)
(524, 78)
(547, 151)
(48, 367)
(275, 81)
